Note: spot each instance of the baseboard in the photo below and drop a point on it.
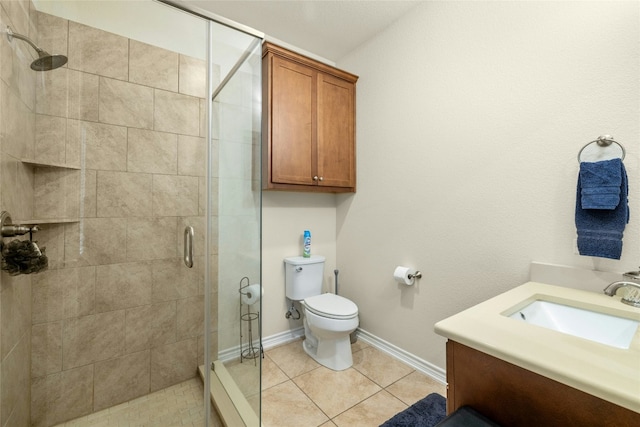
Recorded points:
(405, 357)
(282, 338)
(233, 353)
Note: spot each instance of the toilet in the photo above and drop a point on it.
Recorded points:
(328, 318)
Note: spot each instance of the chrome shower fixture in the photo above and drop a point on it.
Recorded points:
(45, 61)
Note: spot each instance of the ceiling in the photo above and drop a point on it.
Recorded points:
(327, 28)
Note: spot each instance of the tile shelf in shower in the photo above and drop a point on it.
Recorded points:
(33, 162)
(45, 221)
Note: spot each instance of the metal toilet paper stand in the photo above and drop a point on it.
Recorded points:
(249, 351)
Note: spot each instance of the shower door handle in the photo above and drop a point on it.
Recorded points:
(188, 246)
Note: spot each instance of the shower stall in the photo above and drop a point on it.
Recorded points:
(135, 166)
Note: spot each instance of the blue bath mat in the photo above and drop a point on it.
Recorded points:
(425, 413)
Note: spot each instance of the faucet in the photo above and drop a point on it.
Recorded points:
(633, 296)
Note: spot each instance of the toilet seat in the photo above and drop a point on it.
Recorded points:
(331, 306)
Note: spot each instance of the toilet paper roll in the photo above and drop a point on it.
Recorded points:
(251, 294)
(401, 275)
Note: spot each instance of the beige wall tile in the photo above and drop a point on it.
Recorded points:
(95, 241)
(25, 194)
(15, 311)
(175, 195)
(8, 183)
(92, 338)
(121, 379)
(192, 156)
(18, 125)
(51, 134)
(56, 193)
(122, 286)
(96, 145)
(52, 33)
(172, 280)
(152, 152)
(193, 76)
(83, 95)
(52, 90)
(150, 238)
(98, 52)
(51, 237)
(176, 113)
(173, 363)
(126, 104)
(88, 191)
(46, 348)
(18, 14)
(122, 194)
(14, 389)
(213, 347)
(17, 72)
(61, 396)
(190, 317)
(202, 195)
(63, 293)
(150, 326)
(153, 66)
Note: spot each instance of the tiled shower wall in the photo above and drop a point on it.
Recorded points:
(17, 135)
(117, 315)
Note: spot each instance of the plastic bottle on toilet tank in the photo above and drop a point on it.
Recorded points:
(306, 253)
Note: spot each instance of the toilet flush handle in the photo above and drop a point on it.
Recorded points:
(298, 269)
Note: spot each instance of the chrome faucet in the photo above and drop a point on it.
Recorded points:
(632, 296)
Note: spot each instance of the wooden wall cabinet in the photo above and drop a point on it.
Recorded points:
(513, 396)
(309, 127)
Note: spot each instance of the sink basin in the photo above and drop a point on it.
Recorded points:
(591, 325)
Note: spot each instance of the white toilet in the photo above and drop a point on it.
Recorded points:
(328, 318)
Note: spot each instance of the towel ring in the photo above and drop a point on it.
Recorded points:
(603, 141)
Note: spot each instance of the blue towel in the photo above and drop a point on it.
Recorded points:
(600, 230)
(601, 182)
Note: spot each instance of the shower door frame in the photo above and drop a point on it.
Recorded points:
(230, 402)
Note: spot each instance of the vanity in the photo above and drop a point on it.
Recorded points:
(518, 373)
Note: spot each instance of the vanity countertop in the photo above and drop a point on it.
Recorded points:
(610, 373)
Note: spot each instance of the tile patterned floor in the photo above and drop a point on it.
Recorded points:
(297, 391)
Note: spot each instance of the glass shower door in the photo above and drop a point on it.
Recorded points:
(236, 160)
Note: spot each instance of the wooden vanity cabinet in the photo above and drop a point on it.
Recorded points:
(309, 127)
(513, 396)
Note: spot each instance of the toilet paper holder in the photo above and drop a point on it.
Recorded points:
(416, 275)
(251, 350)
(406, 275)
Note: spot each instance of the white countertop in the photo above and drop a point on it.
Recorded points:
(609, 373)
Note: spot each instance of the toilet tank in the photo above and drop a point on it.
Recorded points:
(303, 276)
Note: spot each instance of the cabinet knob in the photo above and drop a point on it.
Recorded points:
(321, 179)
(315, 178)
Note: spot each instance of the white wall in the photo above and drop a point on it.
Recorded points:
(470, 118)
(285, 216)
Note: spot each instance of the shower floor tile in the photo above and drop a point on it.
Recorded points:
(179, 405)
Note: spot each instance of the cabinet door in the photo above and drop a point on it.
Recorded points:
(336, 132)
(293, 156)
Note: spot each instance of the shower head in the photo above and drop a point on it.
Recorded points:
(45, 61)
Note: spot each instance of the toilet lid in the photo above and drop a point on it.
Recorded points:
(331, 305)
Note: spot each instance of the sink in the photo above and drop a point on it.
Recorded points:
(591, 325)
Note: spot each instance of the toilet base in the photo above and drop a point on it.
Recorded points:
(335, 354)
